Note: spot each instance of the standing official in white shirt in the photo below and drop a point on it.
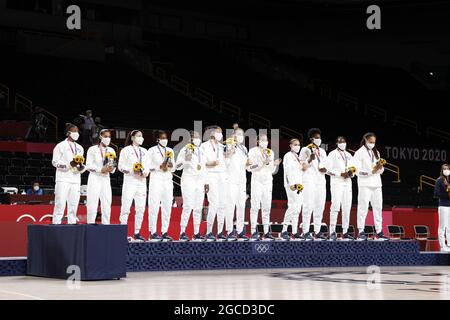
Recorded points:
(100, 162)
(68, 175)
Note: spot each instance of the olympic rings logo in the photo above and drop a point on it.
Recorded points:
(262, 247)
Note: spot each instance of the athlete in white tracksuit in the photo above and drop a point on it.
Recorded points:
(262, 166)
(293, 176)
(193, 180)
(217, 181)
(134, 182)
(339, 163)
(369, 185)
(314, 194)
(99, 184)
(236, 158)
(161, 163)
(68, 176)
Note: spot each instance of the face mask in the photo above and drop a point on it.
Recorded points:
(240, 139)
(106, 141)
(370, 146)
(163, 142)
(342, 146)
(218, 136)
(296, 149)
(139, 140)
(196, 141)
(317, 142)
(35, 188)
(263, 144)
(74, 136)
(446, 172)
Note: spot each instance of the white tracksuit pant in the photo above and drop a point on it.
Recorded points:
(314, 197)
(218, 200)
(260, 198)
(374, 196)
(291, 216)
(160, 194)
(69, 193)
(238, 196)
(444, 226)
(341, 198)
(138, 193)
(193, 191)
(98, 188)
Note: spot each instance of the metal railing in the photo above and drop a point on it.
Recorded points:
(290, 133)
(5, 91)
(438, 133)
(226, 107)
(426, 181)
(254, 118)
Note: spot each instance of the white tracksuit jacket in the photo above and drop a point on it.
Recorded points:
(293, 174)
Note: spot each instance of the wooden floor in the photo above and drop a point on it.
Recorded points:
(291, 284)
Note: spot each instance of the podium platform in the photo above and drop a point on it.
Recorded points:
(99, 252)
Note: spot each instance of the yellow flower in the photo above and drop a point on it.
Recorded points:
(382, 162)
(268, 151)
(190, 147)
(448, 189)
(110, 156)
(137, 166)
(78, 159)
(230, 141)
(169, 154)
(352, 170)
(311, 146)
(299, 188)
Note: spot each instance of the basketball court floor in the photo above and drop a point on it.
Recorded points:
(274, 284)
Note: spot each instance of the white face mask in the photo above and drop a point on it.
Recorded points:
(296, 149)
(370, 146)
(106, 141)
(139, 140)
(74, 136)
(163, 142)
(342, 146)
(218, 136)
(196, 141)
(35, 188)
(263, 144)
(240, 139)
(317, 142)
(446, 172)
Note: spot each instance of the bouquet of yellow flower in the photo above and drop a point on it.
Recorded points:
(138, 167)
(268, 152)
(230, 141)
(110, 159)
(169, 155)
(351, 171)
(110, 156)
(190, 147)
(78, 159)
(299, 188)
(311, 146)
(382, 162)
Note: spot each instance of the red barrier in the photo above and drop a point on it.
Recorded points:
(22, 146)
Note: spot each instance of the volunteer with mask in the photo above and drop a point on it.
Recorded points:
(442, 192)
(314, 160)
(161, 163)
(340, 165)
(100, 162)
(236, 158)
(217, 180)
(68, 175)
(369, 170)
(293, 173)
(262, 166)
(193, 185)
(135, 173)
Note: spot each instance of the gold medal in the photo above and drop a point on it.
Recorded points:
(199, 167)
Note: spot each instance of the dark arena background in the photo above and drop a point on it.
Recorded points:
(281, 67)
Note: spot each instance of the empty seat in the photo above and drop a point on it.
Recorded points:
(37, 156)
(13, 180)
(29, 180)
(4, 161)
(6, 154)
(47, 181)
(20, 171)
(48, 171)
(33, 171)
(34, 163)
(18, 162)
